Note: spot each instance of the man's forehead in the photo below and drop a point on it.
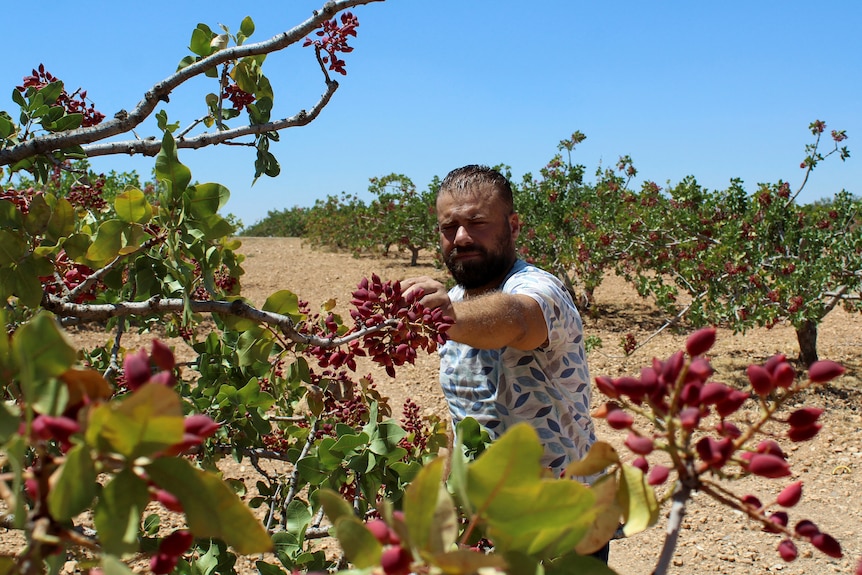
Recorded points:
(470, 207)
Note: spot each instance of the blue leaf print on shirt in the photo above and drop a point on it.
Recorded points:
(521, 399)
(537, 374)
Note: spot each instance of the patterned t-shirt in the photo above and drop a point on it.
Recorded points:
(548, 386)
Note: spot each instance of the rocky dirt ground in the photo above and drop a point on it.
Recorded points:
(714, 540)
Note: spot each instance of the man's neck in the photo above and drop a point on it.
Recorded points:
(492, 286)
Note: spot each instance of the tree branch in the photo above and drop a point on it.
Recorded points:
(152, 146)
(238, 308)
(124, 122)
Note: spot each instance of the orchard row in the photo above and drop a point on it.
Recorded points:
(731, 257)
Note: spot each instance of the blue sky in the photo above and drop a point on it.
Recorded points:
(711, 89)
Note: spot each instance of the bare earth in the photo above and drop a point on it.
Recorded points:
(714, 540)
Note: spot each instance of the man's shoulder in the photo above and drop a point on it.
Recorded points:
(523, 272)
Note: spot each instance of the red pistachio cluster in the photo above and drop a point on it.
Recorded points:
(416, 328)
(688, 419)
(140, 368)
(394, 327)
(395, 559)
(333, 38)
(238, 98)
(171, 548)
(74, 103)
(72, 275)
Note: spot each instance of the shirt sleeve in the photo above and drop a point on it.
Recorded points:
(552, 297)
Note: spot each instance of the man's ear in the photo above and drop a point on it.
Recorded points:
(515, 225)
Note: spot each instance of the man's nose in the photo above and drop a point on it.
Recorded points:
(462, 237)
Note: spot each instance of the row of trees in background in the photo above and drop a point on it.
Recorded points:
(711, 257)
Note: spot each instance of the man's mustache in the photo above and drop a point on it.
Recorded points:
(466, 250)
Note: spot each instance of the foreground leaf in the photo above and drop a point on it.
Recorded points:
(211, 507)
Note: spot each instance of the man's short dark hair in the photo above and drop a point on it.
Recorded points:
(468, 179)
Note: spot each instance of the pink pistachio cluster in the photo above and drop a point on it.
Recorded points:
(171, 548)
(333, 38)
(395, 559)
(74, 103)
(395, 327)
(678, 398)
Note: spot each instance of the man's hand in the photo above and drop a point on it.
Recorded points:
(489, 321)
(434, 293)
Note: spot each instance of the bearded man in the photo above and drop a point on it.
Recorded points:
(516, 349)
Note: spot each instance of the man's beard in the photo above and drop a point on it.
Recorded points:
(475, 273)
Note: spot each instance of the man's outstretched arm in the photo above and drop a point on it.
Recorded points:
(488, 321)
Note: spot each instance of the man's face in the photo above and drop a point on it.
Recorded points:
(477, 238)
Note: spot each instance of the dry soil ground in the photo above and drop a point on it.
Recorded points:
(714, 540)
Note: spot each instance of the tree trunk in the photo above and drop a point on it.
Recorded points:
(806, 335)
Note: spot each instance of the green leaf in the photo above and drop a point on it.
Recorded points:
(638, 501)
(207, 199)
(12, 247)
(118, 512)
(41, 351)
(67, 122)
(107, 242)
(358, 543)
(187, 61)
(36, 219)
(10, 418)
(144, 423)
(76, 246)
(18, 98)
(73, 484)
(62, 222)
(385, 436)
(112, 565)
(573, 563)
(213, 227)
(49, 94)
(7, 128)
(334, 505)
(253, 346)
(247, 26)
(429, 512)
(298, 517)
(607, 516)
(246, 73)
(211, 507)
(132, 207)
(54, 114)
(18, 455)
(598, 458)
(200, 42)
(10, 216)
(312, 470)
(169, 169)
(348, 442)
(524, 511)
(360, 546)
(284, 302)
